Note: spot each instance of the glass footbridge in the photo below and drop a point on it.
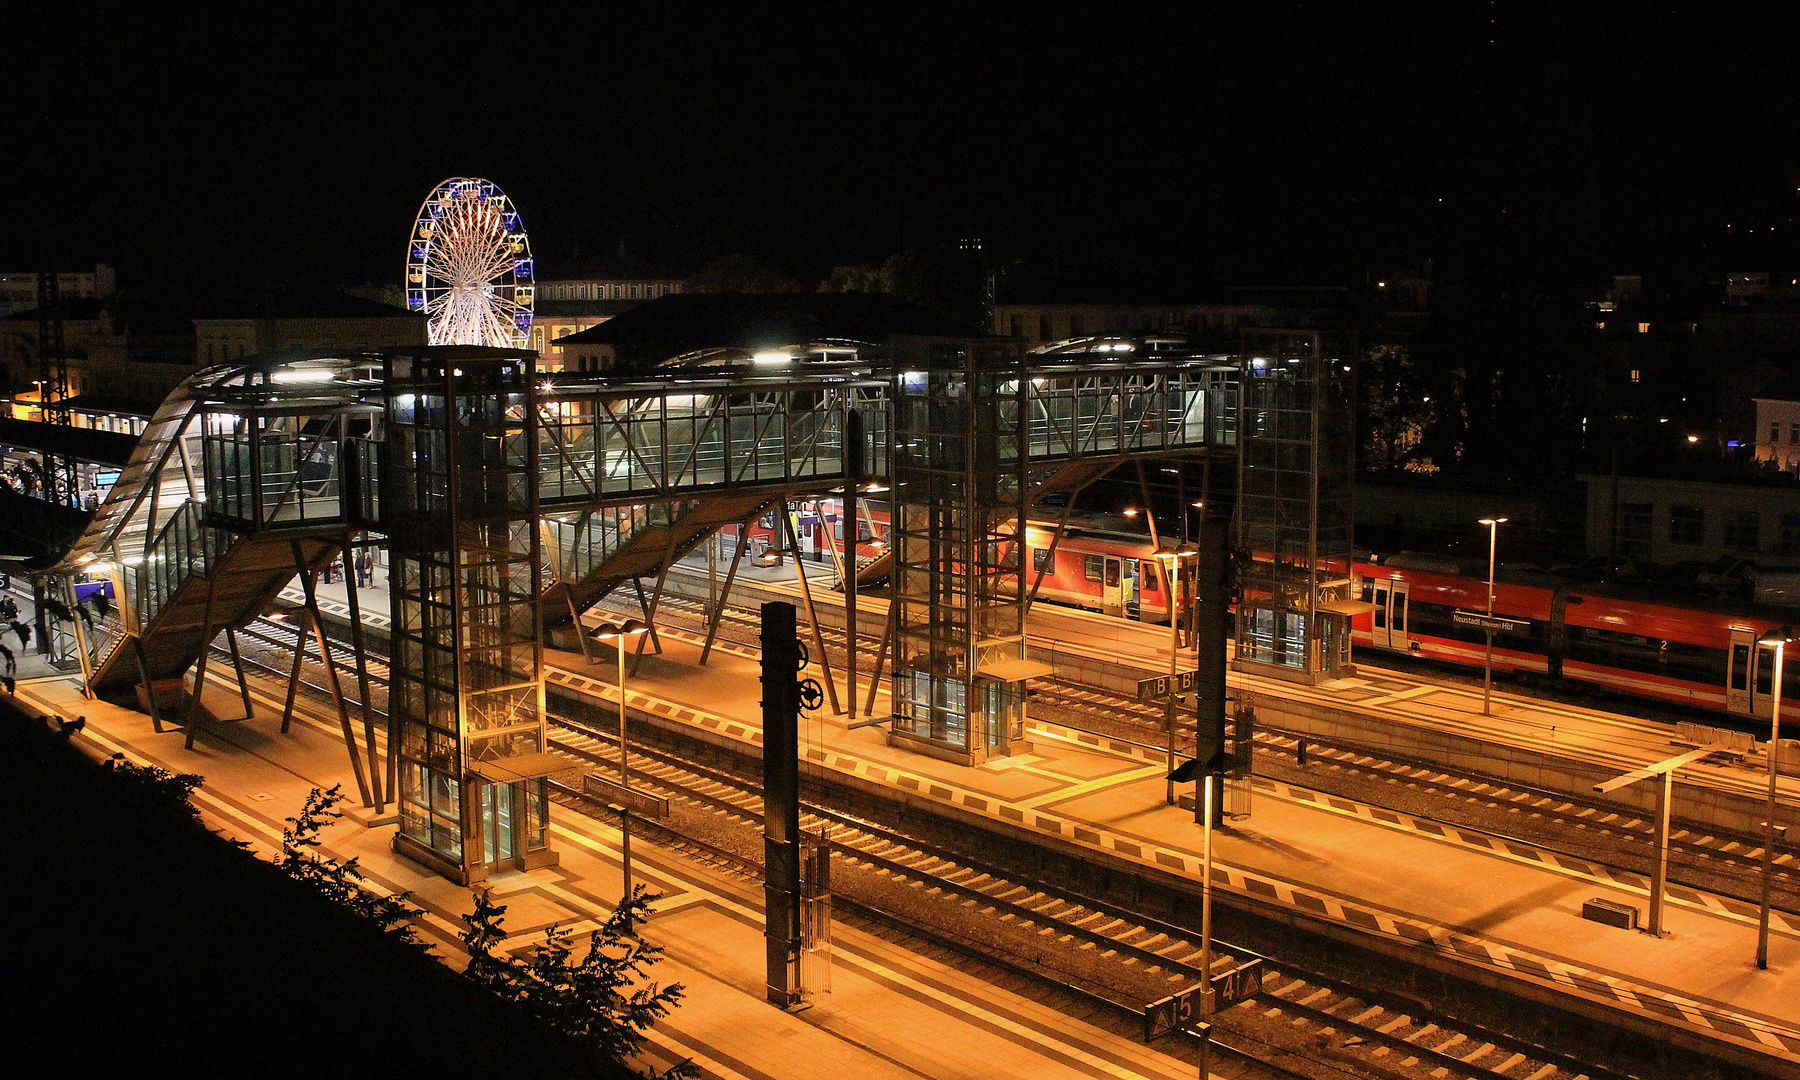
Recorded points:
(255, 472)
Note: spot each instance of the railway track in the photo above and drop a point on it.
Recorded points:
(1390, 1032)
(1586, 829)
(1352, 1024)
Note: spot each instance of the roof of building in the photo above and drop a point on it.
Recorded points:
(74, 309)
(305, 304)
(605, 309)
(689, 322)
(83, 444)
(35, 532)
(100, 403)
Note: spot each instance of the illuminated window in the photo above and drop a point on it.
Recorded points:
(1643, 328)
(1636, 375)
(1094, 568)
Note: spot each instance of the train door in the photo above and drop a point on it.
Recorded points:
(1112, 586)
(1750, 671)
(1389, 616)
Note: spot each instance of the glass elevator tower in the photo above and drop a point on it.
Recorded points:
(959, 529)
(460, 506)
(1296, 494)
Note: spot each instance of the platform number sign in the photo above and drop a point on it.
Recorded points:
(1158, 687)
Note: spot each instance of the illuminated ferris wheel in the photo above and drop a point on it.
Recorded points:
(468, 266)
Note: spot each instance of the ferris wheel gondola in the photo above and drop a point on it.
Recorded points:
(468, 266)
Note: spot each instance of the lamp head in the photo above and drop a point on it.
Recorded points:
(615, 631)
(1781, 635)
(1490, 522)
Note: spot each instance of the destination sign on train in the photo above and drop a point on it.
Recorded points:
(1496, 623)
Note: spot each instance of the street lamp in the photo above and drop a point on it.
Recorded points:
(1779, 638)
(617, 633)
(1487, 676)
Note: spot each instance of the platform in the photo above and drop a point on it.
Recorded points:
(890, 1014)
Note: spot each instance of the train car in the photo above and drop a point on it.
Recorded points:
(1629, 640)
(1415, 601)
(1112, 573)
(1626, 640)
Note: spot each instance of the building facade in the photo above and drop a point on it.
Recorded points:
(18, 291)
(1670, 522)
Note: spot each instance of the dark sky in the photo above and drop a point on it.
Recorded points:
(1268, 143)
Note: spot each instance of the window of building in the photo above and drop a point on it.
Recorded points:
(1017, 326)
(1095, 568)
(1793, 433)
(1687, 525)
(634, 291)
(1635, 523)
(1044, 329)
(1077, 325)
(1636, 375)
(1741, 529)
(1790, 534)
(1643, 328)
(1774, 431)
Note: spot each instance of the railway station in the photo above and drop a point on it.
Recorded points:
(523, 519)
(525, 612)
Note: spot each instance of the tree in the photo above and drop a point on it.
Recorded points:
(740, 273)
(340, 882)
(600, 1000)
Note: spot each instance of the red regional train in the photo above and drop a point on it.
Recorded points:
(1630, 640)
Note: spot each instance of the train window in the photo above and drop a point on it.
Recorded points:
(1694, 663)
(1740, 667)
(1095, 567)
(1765, 669)
(1040, 558)
(1146, 576)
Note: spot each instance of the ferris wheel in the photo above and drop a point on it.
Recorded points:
(468, 266)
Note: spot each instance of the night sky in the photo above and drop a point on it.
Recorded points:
(1262, 144)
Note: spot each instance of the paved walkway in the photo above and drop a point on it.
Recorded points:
(890, 1013)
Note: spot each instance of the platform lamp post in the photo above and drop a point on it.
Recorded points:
(1170, 559)
(1204, 774)
(618, 634)
(1487, 673)
(1779, 638)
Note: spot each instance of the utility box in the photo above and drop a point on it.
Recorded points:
(1612, 913)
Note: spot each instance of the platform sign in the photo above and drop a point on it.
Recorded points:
(1179, 1011)
(1497, 623)
(1157, 688)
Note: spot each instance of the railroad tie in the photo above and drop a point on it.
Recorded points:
(1393, 1025)
(1479, 1051)
(1361, 1019)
